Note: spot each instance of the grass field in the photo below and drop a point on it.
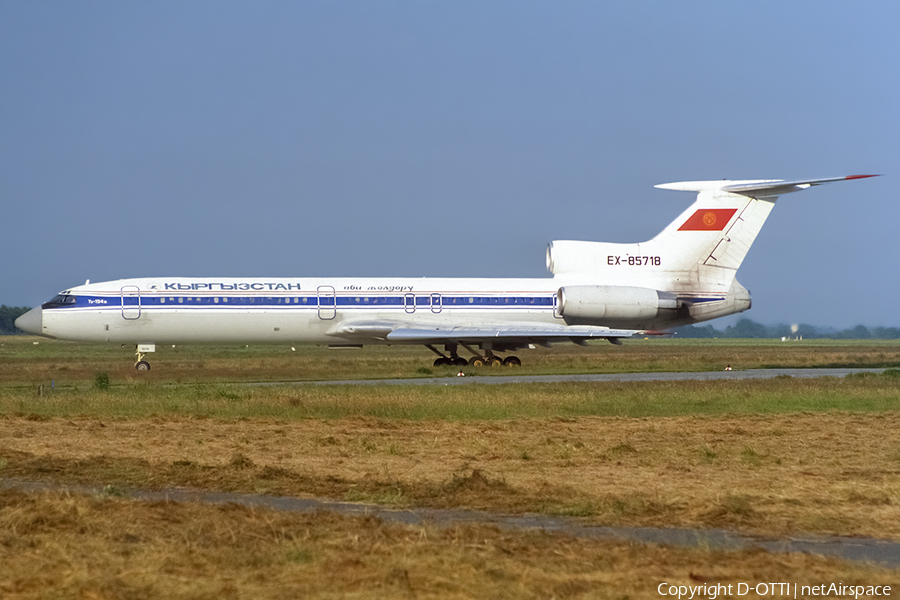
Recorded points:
(777, 457)
(26, 360)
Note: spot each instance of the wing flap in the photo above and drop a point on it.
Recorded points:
(524, 332)
(508, 333)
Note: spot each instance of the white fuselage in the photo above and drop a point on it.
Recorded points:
(306, 310)
(253, 310)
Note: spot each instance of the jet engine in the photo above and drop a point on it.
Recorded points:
(612, 302)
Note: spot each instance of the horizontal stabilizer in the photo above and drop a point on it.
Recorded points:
(757, 188)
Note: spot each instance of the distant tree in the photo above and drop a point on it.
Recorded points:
(886, 333)
(810, 332)
(8, 316)
(859, 332)
(779, 331)
(696, 331)
(745, 328)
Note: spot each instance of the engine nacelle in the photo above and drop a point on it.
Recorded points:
(612, 302)
(566, 256)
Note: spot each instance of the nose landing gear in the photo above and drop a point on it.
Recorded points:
(139, 363)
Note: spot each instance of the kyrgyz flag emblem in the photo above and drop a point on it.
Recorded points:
(708, 219)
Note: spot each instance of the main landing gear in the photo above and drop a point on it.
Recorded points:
(477, 360)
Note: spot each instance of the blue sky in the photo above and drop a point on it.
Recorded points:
(443, 139)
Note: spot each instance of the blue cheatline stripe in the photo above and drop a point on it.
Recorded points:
(422, 301)
(445, 301)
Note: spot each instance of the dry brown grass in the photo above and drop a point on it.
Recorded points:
(824, 473)
(54, 545)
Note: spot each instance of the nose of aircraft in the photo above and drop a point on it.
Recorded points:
(32, 321)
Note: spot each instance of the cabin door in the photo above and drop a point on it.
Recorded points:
(327, 302)
(131, 302)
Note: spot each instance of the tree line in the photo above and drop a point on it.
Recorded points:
(745, 328)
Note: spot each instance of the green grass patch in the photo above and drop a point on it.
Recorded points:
(31, 361)
(481, 402)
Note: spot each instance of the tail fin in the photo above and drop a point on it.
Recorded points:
(715, 233)
(698, 254)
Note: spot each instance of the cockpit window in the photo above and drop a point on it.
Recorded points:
(60, 301)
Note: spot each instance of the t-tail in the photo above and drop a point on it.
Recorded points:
(690, 265)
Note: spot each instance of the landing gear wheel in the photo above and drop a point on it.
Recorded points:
(495, 361)
(442, 362)
(512, 361)
(142, 365)
(476, 361)
(458, 361)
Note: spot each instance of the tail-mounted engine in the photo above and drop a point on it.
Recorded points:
(612, 302)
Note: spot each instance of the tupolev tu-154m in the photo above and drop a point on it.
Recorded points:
(684, 275)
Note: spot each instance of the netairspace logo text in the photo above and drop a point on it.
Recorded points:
(772, 590)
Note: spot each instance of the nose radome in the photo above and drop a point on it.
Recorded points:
(32, 321)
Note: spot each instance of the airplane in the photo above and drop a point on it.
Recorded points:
(598, 290)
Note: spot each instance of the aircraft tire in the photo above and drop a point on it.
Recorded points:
(142, 365)
(442, 362)
(476, 361)
(495, 361)
(512, 361)
(459, 361)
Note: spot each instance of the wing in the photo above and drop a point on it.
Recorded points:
(507, 335)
